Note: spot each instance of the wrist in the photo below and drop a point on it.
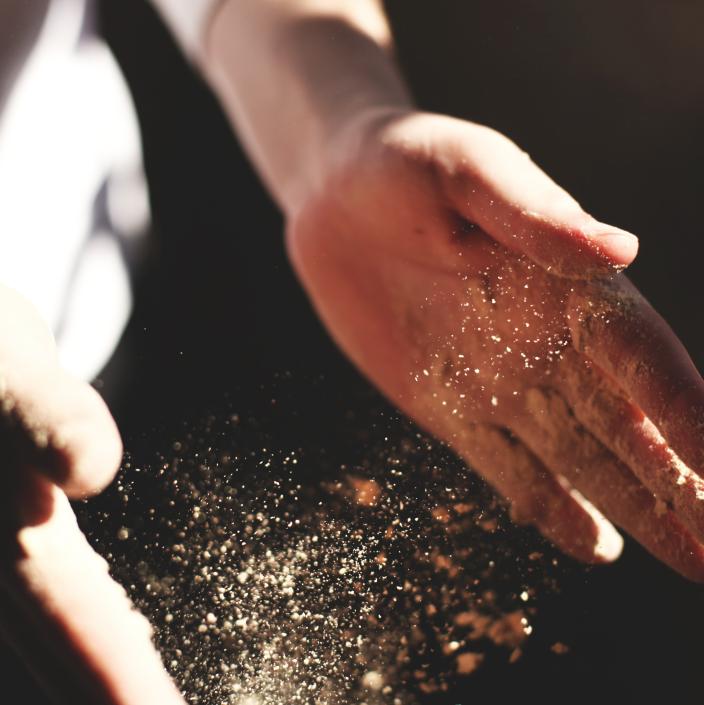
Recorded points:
(351, 140)
(347, 82)
(320, 66)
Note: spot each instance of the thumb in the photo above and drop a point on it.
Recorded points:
(521, 207)
(49, 420)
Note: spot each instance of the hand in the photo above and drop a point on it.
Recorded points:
(58, 605)
(487, 305)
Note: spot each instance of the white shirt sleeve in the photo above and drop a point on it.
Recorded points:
(188, 20)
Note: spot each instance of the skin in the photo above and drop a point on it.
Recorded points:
(466, 284)
(543, 382)
(58, 606)
(470, 288)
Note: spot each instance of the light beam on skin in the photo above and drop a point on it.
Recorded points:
(609, 543)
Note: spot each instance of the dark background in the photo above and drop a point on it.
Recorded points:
(607, 97)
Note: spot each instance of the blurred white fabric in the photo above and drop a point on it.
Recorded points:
(72, 189)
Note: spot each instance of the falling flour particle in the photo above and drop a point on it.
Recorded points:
(376, 586)
(468, 662)
(373, 680)
(249, 700)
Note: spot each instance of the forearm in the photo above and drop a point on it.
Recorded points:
(292, 74)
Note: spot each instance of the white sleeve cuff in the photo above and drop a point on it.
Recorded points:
(188, 20)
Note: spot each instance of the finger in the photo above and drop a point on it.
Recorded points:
(75, 627)
(621, 426)
(48, 419)
(616, 328)
(59, 424)
(551, 431)
(536, 497)
(516, 203)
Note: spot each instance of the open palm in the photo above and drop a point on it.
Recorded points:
(488, 306)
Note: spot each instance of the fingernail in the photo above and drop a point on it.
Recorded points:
(618, 245)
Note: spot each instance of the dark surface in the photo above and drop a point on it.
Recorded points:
(607, 97)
